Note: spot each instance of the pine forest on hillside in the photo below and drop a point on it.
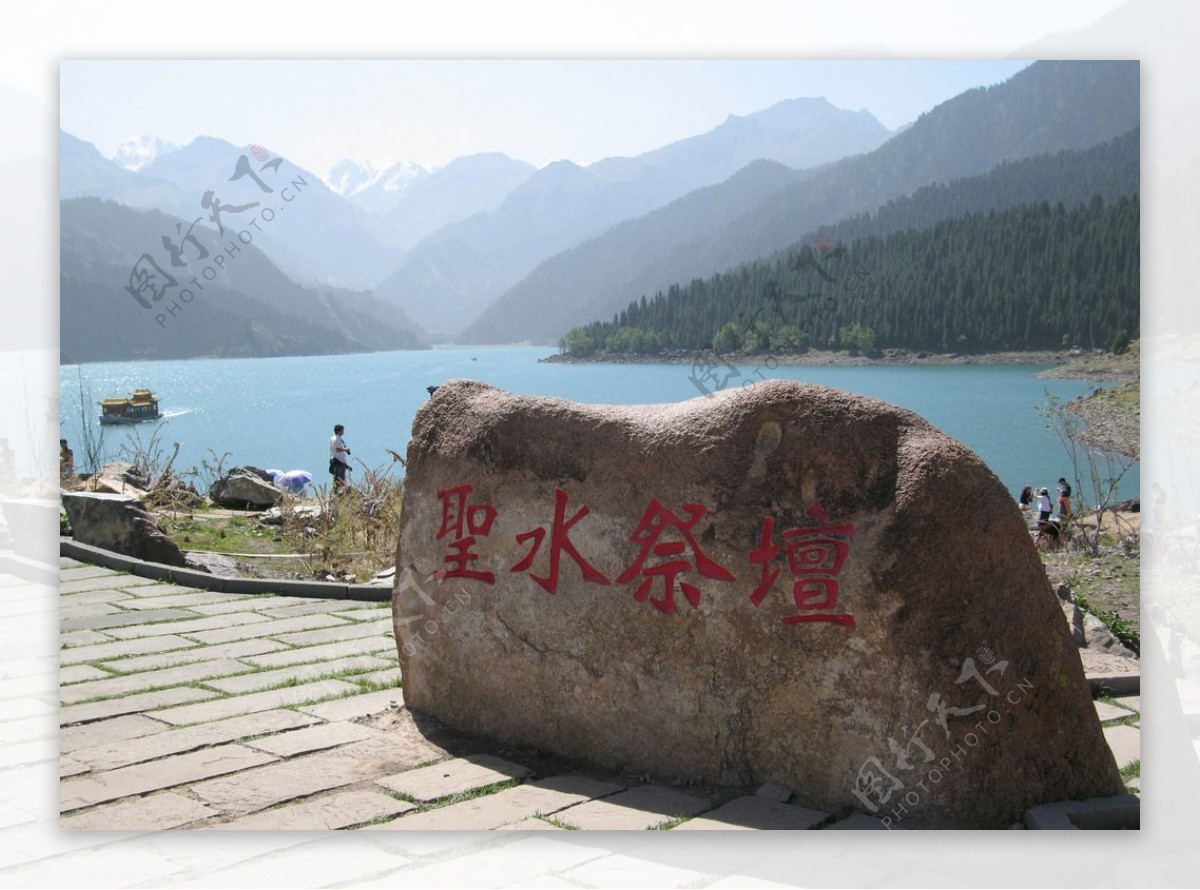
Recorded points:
(1037, 276)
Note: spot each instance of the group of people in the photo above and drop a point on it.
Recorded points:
(1041, 501)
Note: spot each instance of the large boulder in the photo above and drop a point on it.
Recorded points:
(119, 523)
(245, 488)
(789, 584)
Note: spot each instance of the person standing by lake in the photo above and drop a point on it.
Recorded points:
(1045, 508)
(1026, 501)
(339, 458)
(1064, 497)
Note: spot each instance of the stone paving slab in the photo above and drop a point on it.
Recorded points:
(255, 701)
(390, 677)
(156, 812)
(92, 597)
(266, 786)
(193, 627)
(1126, 744)
(112, 619)
(122, 648)
(114, 755)
(163, 590)
(241, 602)
(1133, 702)
(638, 808)
(328, 651)
(290, 607)
(511, 805)
(337, 634)
(148, 680)
(754, 812)
(273, 605)
(456, 776)
(339, 810)
(81, 673)
(82, 570)
(72, 613)
(358, 706)
(314, 738)
(267, 679)
(189, 600)
(269, 627)
(104, 732)
(534, 824)
(1106, 711)
(132, 704)
(82, 638)
(367, 614)
(158, 774)
(113, 582)
(67, 765)
(176, 658)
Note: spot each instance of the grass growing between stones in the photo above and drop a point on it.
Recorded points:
(668, 824)
(1134, 717)
(375, 685)
(557, 823)
(450, 799)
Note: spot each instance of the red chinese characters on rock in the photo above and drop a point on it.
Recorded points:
(815, 557)
(655, 521)
(459, 516)
(560, 542)
(815, 554)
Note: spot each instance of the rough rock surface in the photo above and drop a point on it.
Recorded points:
(119, 523)
(943, 653)
(245, 488)
(1088, 631)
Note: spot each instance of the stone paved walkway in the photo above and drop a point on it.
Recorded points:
(183, 708)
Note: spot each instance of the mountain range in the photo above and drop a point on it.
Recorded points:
(246, 307)
(449, 279)
(1044, 108)
(488, 249)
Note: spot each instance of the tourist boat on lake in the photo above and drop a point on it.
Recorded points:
(142, 405)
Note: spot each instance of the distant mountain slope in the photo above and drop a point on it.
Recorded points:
(464, 187)
(318, 237)
(242, 306)
(548, 301)
(85, 173)
(1034, 276)
(563, 204)
(1044, 108)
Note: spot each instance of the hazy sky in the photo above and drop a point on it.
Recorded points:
(429, 112)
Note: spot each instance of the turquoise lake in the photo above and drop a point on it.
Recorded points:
(279, 412)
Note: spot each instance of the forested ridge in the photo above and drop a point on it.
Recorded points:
(1035, 276)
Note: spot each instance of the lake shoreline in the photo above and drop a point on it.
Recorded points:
(820, 358)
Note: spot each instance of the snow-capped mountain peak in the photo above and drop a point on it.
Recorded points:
(348, 178)
(138, 151)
